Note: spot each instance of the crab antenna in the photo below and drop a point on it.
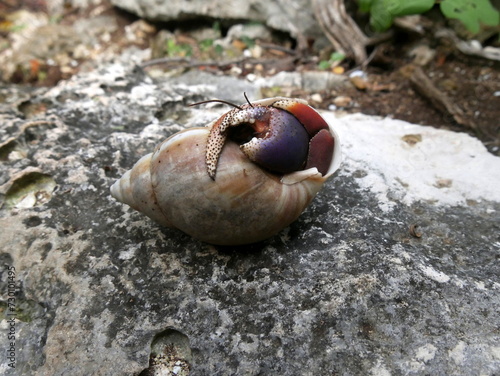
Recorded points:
(216, 101)
(245, 95)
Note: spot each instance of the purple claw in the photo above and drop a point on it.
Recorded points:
(282, 136)
(283, 147)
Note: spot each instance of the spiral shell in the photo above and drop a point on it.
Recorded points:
(205, 184)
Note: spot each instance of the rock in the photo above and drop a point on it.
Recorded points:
(342, 101)
(360, 82)
(353, 287)
(43, 51)
(292, 16)
(309, 81)
(251, 31)
(422, 54)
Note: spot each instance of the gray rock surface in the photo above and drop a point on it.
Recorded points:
(348, 289)
(290, 16)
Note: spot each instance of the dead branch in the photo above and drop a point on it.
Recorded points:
(191, 63)
(340, 29)
(424, 86)
(472, 47)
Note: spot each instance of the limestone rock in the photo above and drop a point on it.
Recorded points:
(352, 287)
(289, 16)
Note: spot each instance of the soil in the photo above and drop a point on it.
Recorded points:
(473, 84)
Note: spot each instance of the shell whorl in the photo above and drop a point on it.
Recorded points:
(243, 205)
(134, 188)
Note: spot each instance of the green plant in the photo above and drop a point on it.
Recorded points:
(41, 76)
(206, 44)
(216, 27)
(335, 58)
(55, 19)
(209, 48)
(218, 49)
(472, 13)
(173, 49)
(15, 28)
(249, 42)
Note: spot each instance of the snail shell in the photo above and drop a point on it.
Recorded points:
(209, 182)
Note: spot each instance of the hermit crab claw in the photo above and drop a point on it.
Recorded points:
(241, 179)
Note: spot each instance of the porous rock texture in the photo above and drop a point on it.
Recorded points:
(393, 269)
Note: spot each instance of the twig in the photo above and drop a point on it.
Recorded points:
(186, 63)
(271, 46)
(424, 86)
(192, 63)
(340, 28)
(471, 47)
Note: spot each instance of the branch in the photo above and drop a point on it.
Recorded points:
(340, 29)
(424, 86)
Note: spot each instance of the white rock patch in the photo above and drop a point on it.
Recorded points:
(404, 162)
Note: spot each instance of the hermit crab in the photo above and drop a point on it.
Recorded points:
(240, 180)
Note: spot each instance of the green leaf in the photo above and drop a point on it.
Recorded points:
(337, 56)
(16, 28)
(472, 13)
(219, 50)
(364, 5)
(398, 8)
(248, 41)
(383, 12)
(206, 44)
(177, 50)
(323, 64)
(216, 26)
(380, 18)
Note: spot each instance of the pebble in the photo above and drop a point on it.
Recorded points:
(342, 101)
(317, 98)
(359, 79)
